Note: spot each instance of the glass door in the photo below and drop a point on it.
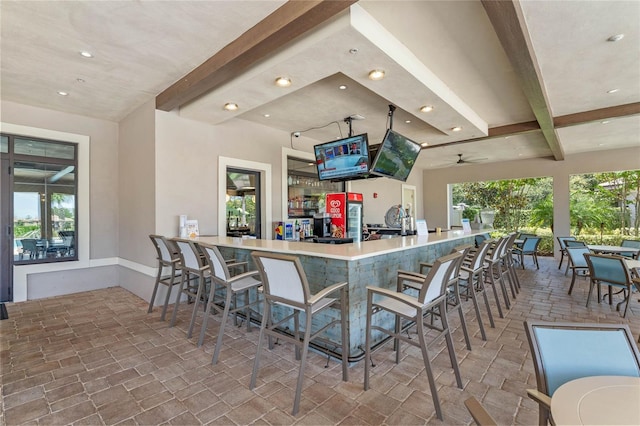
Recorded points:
(243, 203)
(6, 242)
(354, 220)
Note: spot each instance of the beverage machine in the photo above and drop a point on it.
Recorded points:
(346, 212)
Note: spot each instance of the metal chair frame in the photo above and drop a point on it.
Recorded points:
(168, 257)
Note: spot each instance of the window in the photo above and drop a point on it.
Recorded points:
(44, 199)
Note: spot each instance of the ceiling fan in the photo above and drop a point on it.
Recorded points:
(463, 161)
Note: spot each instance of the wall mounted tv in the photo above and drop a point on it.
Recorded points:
(396, 156)
(343, 159)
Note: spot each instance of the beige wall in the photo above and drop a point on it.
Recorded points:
(436, 181)
(137, 185)
(389, 193)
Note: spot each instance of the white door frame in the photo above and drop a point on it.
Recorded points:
(409, 197)
(265, 185)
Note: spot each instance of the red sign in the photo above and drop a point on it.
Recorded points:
(336, 207)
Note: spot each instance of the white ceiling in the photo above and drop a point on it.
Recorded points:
(440, 53)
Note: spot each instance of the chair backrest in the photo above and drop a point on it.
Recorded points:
(165, 249)
(566, 351)
(574, 243)
(509, 245)
(30, 244)
(523, 235)
(283, 278)
(630, 243)
(437, 280)
(189, 254)
(576, 255)
(480, 415)
(530, 244)
(562, 240)
(481, 237)
(608, 269)
(217, 265)
(477, 261)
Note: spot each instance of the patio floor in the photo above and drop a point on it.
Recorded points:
(99, 358)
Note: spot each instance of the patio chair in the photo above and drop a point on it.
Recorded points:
(168, 257)
(632, 244)
(509, 265)
(563, 352)
(195, 273)
(286, 287)
(410, 311)
(30, 246)
(573, 243)
(481, 237)
(480, 416)
(471, 283)
(578, 264)
(563, 247)
(612, 271)
(529, 248)
(233, 285)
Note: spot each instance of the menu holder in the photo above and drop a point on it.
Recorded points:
(192, 228)
(421, 227)
(466, 226)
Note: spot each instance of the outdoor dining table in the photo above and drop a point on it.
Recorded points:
(597, 400)
(605, 249)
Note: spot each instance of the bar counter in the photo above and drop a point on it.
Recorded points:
(360, 264)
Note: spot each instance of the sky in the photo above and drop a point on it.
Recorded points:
(27, 204)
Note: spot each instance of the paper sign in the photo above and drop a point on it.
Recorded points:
(466, 226)
(421, 227)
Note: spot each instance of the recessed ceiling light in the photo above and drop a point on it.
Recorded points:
(605, 122)
(612, 91)
(86, 54)
(283, 82)
(63, 93)
(266, 115)
(407, 121)
(426, 108)
(616, 37)
(600, 144)
(424, 144)
(80, 80)
(230, 106)
(376, 75)
(353, 51)
(342, 87)
(456, 129)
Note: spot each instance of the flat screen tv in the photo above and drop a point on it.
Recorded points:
(343, 159)
(396, 156)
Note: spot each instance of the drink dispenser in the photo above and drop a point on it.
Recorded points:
(322, 225)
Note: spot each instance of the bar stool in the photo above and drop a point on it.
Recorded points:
(472, 283)
(167, 257)
(194, 275)
(232, 285)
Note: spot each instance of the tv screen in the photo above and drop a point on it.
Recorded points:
(396, 156)
(343, 159)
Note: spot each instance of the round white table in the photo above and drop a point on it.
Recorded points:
(597, 400)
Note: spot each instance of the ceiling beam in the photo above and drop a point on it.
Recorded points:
(508, 22)
(289, 21)
(597, 115)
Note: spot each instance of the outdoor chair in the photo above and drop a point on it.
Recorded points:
(509, 265)
(233, 285)
(494, 274)
(573, 243)
(578, 264)
(563, 352)
(471, 283)
(195, 273)
(563, 248)
(30, 246)
(612, 271)
(529, 248)
(481, 237)
(479, 414)
(410, 310)
(286, 288)
(632, 244)
(168, 257)
(454, 300)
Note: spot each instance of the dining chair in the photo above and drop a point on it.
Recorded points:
(30, 245)
(529, 247)
(471, 283)
(195, 273)
(409, 310)
(563, 352)
(479, 414)
(481, 237)
(578, 264)
(454, 300)
(631, 244)
(563, 248)
(168, 257)
(573, 243)
(232, 285)
(612, 271)
(286, 288)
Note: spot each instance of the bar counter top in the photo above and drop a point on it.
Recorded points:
(348, 251)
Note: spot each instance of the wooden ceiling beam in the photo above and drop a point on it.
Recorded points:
(597, 115)
(291, 20)
(508, 21)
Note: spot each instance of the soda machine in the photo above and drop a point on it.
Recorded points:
(346, 212)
